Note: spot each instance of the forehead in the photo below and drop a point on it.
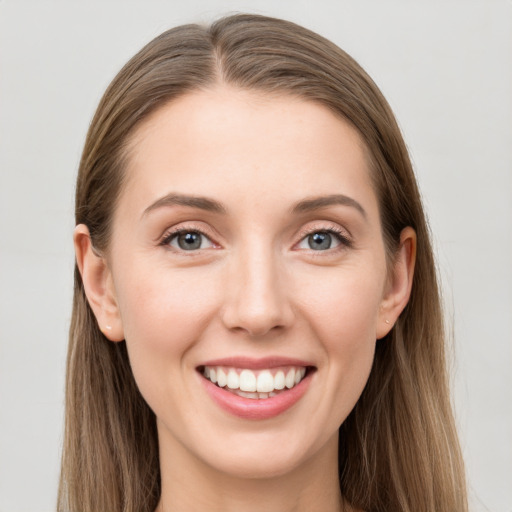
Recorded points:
(221, 140)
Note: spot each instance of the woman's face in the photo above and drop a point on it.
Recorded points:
(247, 250)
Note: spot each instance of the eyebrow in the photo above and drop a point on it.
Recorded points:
(210, 205)
(316, 203)
(173, 199)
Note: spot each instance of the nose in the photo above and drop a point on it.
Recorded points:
(257, 294)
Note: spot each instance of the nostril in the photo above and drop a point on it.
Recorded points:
(256, 329)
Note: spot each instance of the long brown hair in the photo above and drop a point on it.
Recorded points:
(398, 449)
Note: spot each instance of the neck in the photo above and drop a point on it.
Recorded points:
(190, 485)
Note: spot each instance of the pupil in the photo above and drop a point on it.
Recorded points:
(189, 241)
(318, 241)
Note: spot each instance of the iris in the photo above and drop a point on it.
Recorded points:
(320, 241)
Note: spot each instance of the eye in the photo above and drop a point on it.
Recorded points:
(323, 240)
(188, 240)
(319, 241)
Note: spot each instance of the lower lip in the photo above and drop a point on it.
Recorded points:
(256, 409)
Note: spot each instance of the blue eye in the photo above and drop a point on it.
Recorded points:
(319, 241)
(188, 241)
(322, 241)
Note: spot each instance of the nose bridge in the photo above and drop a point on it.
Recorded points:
(256, 290)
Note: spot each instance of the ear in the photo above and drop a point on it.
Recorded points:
(98, 285)
(399, 284)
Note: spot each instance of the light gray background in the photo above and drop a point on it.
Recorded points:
(446, 68)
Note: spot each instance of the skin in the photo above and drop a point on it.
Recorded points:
(255, 288)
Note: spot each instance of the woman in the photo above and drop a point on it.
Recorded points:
(257, 322)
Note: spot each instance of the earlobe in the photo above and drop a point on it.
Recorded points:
(98, 285)
(398, 289)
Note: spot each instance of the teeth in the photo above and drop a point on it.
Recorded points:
(247, 380)
(233, 380)
(247, 395)
(222, 379)
(265, 382)
(253, 396)
(279, 380)
(249, 384)
(290, 379)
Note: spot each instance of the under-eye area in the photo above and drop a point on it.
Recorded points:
(256, 384)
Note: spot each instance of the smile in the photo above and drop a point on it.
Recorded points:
(255, 384)
(256, 389)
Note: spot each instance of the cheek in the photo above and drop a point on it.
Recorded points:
(163, 315)
(344, 305)
(157, 306)
(344, 312)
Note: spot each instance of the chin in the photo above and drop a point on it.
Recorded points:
(272, 455)
(258, 466)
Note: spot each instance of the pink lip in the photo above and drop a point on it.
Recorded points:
(257, 364)
(252, 409)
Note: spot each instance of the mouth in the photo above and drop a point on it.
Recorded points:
(256, 389)
(255, 384)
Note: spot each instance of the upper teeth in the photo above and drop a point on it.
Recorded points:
(262, 381)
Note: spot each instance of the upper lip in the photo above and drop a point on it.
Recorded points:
(252, 363)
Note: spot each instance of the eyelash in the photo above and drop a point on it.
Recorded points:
(344, 241)
(173, 233)
(340, 235)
